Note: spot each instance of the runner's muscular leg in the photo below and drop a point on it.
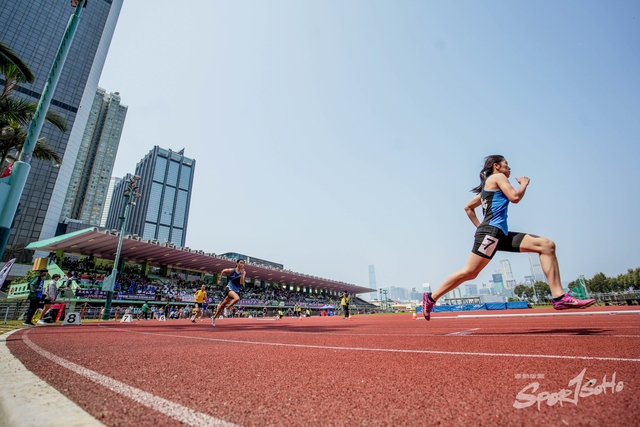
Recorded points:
(234, 298)
(224, 302)
(470, 271)
(548, 260)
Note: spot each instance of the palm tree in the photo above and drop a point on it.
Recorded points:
(16, 113)
(8, 58)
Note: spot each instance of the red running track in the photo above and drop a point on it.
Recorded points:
(372, 370)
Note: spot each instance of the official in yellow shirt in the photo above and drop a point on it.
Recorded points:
(345, 304)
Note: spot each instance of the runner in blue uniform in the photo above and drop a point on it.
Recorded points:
(234, 281)
(492, 234)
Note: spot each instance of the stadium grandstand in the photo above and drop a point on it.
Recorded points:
(168, 275)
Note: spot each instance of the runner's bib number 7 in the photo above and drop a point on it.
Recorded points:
(488, 245)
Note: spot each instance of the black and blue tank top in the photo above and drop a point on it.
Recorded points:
(234, 277)
(494, 207)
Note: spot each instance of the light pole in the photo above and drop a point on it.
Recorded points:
(130, 192)
(386, 300)
(13, 185)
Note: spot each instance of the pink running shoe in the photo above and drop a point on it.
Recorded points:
(568, 302)
(427, 305)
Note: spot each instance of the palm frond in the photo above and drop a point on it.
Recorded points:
(16, 111)
(43, 151)
(8, 57)
(57, 119)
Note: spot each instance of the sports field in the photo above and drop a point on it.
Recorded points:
(577, 369)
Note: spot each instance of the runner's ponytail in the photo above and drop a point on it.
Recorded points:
(487, 170)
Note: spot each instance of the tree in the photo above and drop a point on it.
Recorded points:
(542, 290)
(520, 290)
(9, 58)
(17, 113)
(598, 283)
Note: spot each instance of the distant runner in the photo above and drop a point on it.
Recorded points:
(198, 299)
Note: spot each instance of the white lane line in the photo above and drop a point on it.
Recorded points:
(462, 333)
(384, 350)
(164, 406)
(587, 313)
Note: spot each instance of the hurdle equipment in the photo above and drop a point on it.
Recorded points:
(72, 318)
(127, 318)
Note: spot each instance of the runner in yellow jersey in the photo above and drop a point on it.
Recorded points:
(199, 297)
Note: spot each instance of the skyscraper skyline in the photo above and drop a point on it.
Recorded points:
(507, 274)
(165, 186)
(113, 182)
(91, 176)
(498, 283)
(34, 29)
(536, 268)
(372, 281)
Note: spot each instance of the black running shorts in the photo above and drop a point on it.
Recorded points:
(490, 239)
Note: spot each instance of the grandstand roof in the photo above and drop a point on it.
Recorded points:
(104, 244)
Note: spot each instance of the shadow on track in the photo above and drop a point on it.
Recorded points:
(567, 331)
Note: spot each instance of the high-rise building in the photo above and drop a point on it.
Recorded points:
(107, 201)
(415, 295)
(498, 283)
(470, 290)
(398, 294)
(507, 274)
(536, 268)
(162, 213)
(91, 176)
(426, 287)
(372, 281)
(34, 29)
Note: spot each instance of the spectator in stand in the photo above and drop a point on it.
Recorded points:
(50, 294)
(36, 289)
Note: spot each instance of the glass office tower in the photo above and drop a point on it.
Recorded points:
(162, 213)
(34, 29)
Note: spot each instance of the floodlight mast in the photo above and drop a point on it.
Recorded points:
(129, 193)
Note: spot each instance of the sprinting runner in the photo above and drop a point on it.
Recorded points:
(234, 281)
(199, 297)
(205, 305)
(494, 194)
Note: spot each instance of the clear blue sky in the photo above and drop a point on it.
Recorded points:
(331, 135)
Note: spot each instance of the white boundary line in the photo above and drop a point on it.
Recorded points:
(462, 333)
(164, 406)
(385, 350)
(27, 401)
(588, 313)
